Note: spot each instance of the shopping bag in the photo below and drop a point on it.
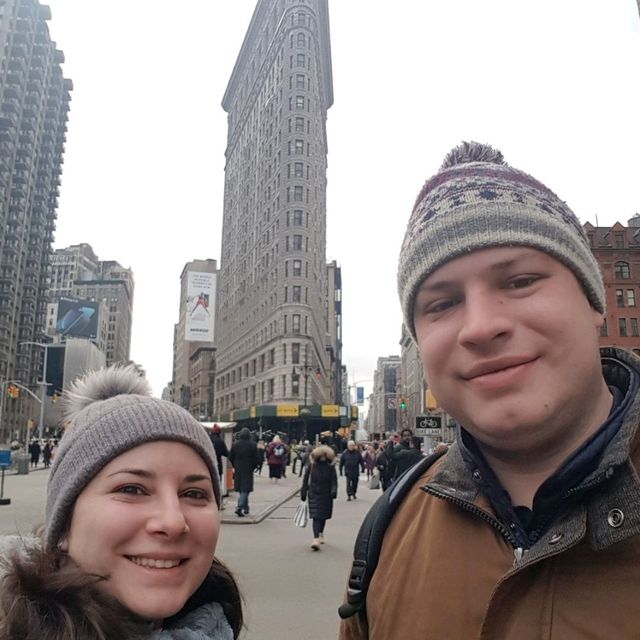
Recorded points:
(301, 516)
(374, 481)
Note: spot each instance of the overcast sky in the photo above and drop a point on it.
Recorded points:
(553, 83)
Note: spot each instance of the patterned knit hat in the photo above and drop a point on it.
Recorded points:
(477, 201)
(110, 412)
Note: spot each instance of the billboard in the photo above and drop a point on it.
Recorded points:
(360, 395)
(77, 318)
(201, 297)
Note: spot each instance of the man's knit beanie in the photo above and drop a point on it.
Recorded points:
(477, 201)
(109, 412)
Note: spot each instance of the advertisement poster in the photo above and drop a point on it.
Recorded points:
(201, 297)
(77, 318)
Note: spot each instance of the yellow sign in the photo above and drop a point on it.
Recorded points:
(354, 412)
(431, 402)
(287, 411)
(330, 411)
(252, 411)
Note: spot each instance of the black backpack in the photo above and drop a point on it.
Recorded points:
(366, 551)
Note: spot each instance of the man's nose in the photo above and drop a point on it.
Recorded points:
(486, 317)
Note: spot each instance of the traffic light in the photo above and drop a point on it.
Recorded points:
(13, 391)
(403, 404)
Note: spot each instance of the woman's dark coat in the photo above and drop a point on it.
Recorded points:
(320, 483)
(245, 458)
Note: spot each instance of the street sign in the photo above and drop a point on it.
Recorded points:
(428, 425)
(5, 458)
(428, 432)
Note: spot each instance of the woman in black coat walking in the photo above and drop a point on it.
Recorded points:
(245, 458)
(320, 485)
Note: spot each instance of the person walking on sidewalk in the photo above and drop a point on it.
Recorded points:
(276, 458)
(352, 464)
(320, 487)
(244, 457)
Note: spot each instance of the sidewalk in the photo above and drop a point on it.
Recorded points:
(264, 500)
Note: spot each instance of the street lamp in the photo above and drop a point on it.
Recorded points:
(43, 383)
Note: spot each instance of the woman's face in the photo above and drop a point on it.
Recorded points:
(148, 523)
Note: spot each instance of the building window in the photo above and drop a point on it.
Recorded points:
(297, 267)
(297, 242)
(301, 21)
(299, 147)
(620, 297)
(295, 385)
(299, 125)
(634, 327)
(299, 102)
(631, 298)
(604, 331)
(296, 294)
(300, 80)
(296, 323)
(297, 193)
(622, 270)
(298, 171)
(297, 217)
(622, 327)
(300, 60)
(295, 353)
(272, 357)
(301, 40)
(619, 240)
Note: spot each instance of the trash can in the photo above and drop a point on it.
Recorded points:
(22, 464)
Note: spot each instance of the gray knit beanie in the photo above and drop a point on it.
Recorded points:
(477, 201)
(111, 411)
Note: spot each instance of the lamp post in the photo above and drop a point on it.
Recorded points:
(43, 383)
(2, 392)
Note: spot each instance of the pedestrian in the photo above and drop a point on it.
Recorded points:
(35, 450)
(351, 464)
(405, 458)
(369, 459)
(320, 487)
(245, 458)
(386, 463)
(303, 452)
(220, 447)
(47, 454)
(527, 527)
(276, 458)
(132, 521)
(261, 456)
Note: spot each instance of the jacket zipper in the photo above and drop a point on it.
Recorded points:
(483, 515)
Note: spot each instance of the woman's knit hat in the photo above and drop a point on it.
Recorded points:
(111, 411)
(477, 201)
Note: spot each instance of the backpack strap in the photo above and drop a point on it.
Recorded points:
(366, 552)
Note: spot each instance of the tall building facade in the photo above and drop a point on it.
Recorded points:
(77, 262)
(113, 287)
(383, 402)
(193, 359)
(617, 250)
(34, 105)
(271, 320)
(333, 299)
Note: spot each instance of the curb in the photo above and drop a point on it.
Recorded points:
(265, 513)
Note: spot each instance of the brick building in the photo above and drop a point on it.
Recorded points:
(617, 250)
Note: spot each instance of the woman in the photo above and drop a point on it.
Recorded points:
(320, 485)
(132, 522)
(276, 458)
(369, 458)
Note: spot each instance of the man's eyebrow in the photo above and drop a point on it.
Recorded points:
(441, 285)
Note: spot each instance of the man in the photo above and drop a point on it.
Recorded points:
(529, 526)
(404, 458)
(220, 447)
(385, 463)
(352, 464)
(245, 458)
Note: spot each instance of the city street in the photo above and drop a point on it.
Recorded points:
(290, 591)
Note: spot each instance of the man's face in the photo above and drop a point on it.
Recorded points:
(406, 437)
(509, 345)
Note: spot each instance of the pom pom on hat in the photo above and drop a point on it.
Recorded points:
(471, 151)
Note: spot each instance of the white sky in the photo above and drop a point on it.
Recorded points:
(552, 83)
